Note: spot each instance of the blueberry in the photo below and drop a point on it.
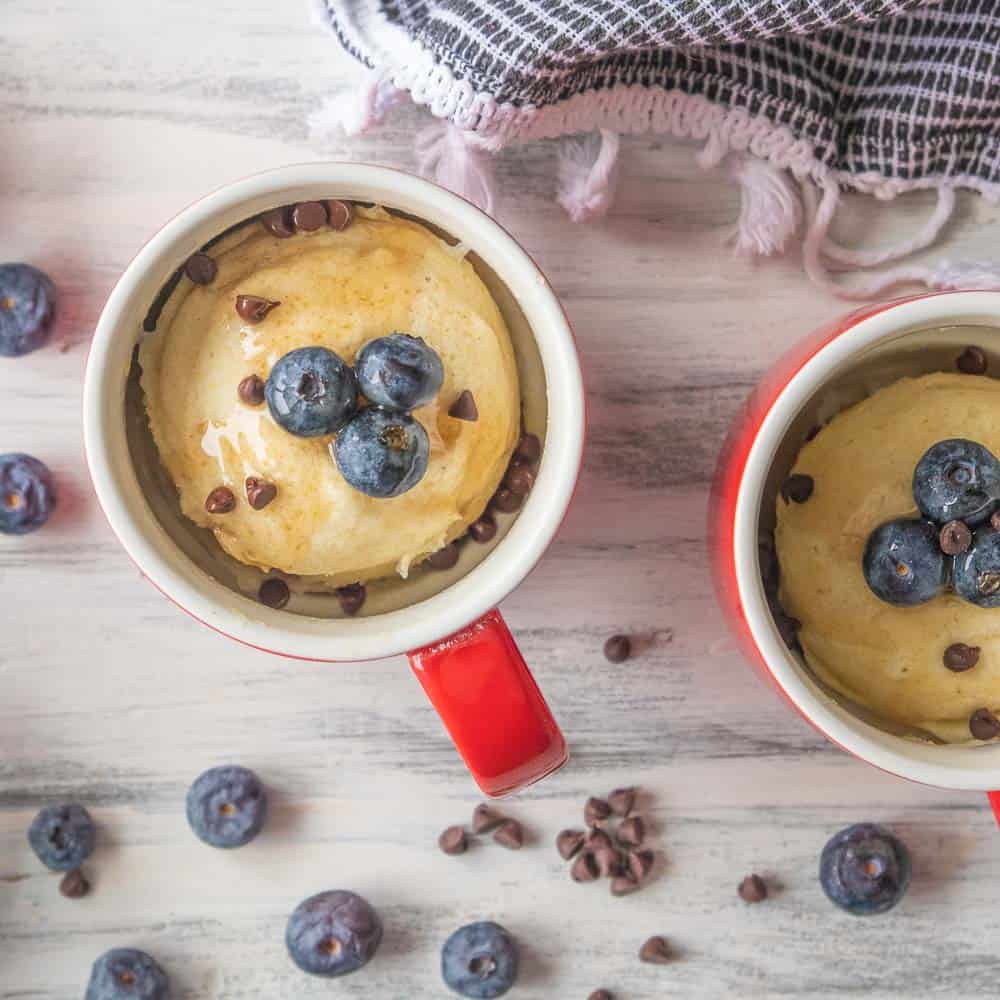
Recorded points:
(127, 974)
(227, 806)
(903, 562)
(864, 869)
(62, 836)
(381, 453)
(27, 494)
(957, 480)
(976, 573)
(399, 371)
(27, 305)
(311, 392)
(333, 933)
(479, 960)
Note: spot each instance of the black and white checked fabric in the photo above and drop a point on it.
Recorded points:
(899, 91)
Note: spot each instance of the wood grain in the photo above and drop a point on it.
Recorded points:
(112, 118)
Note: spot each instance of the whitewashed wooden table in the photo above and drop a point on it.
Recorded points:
(113, 117)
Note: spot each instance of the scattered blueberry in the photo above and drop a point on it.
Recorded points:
(976, 573)
(62, 836)
(865, 869)
(227, 806)
(27, 306)
(957, 480)
(480, 961)
(399, 371)
(382, 454)
(27, 494)
(311, 392)
(903, 562)
(127, 974)
(333, 933)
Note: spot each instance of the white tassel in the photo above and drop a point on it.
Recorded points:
(357, 110)
(770, 206)
(458, 160)
(588, 174)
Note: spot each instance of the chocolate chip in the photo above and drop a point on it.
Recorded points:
(984, 724)
(453, 840)
(632, 831)
(959, 657)
(584, 868)
(251, 390)
(341, 213)
(444, 558)
(485, 819)
(506, 501)
(656, 951)
(253, 308)
(621, 801)
(510, 835)
(595, 811)
(278, 222)
(753, 889)
(600, 995)
(608, 861)
(464, 408)
(259, 492)
(988, 583)
(519, 480)
(201, 269)
(618, 648)
(484, 529)
(529, 448)
(955, 538)
(309, 216)
(972, 361)
(568, 843)
(352, 597)
(74, 884)
(274, 593)
(640, 864)
(797, 488)
(623, 885)
(220, 501)
(597, 838)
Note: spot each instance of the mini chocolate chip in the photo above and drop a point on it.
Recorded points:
(519, 480)
(444, 558)
(983, 724)
(201, 269)
(621, 801)
(797, 488)
(464, 408)
(510, 835)
(640, 864)
(253, 308)
(529, 448)
(453, 840)
(972, 361)
(753, 889)
(608, 861)
(251, 390)
(278, 222)
(485, 819)
(632, 832)
(600, 995)
(656, 951)
(341, 213)
(309, 216)
(584, 868)
(568, 843)
(955, 538)
(618, 649)
(506, 501)
(352, 598)
(959, 657)
(220, 501)
(595, 811)
(274, 593)
(484, 529)
(623, 885)
(988, 583)
(259, 492)
(74, 884)
(596, 838)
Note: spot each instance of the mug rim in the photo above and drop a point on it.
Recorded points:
(390, 633)
(946, 766)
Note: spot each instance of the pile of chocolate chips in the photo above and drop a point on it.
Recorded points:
(506, 832)
(612, 847)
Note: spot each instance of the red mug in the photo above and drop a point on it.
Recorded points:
(447, 622)
(845, 360)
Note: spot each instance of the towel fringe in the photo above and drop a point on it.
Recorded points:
(458, 160)
(588, 174)
(356, 111)
(770, 206)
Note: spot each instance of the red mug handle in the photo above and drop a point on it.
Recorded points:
(491, 706)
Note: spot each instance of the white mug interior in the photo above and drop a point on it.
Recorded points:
(909, 338)
(185, 562)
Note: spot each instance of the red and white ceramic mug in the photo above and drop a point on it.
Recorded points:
(446, 621)
(838, 365)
